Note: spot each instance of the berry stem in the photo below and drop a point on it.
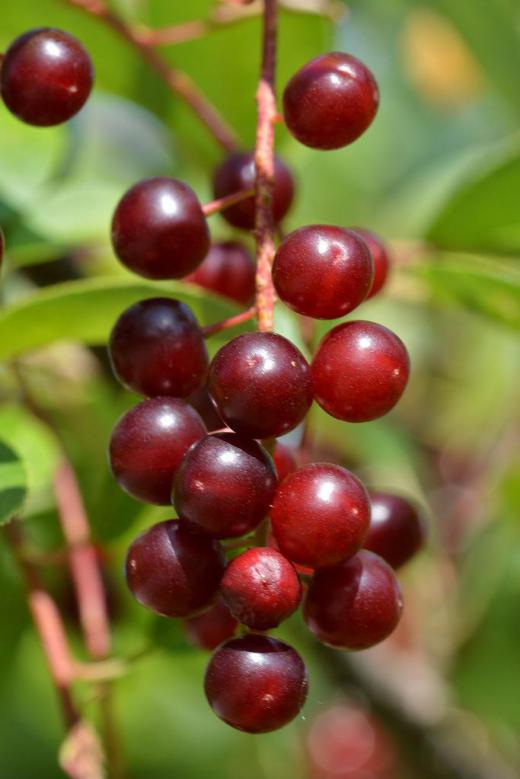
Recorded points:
(176, 80)
(226, 324)
(214, 206)
(264, 164)
(221, 16)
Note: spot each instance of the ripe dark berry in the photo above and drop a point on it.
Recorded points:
(46, 77)
(284, 461)
(237, 172)
(380, 258)
(331, 101)
(261, 384)
(228, 270)
(148, 444)
(157, 348)
(173, 571)
(397, 530)
(206, 409)
(159, 230)
(322, 271)
(256, 683)
(224, 485)
(212, 627)
(355, 604)
(360, 371)
(261, 588)
(320, 515)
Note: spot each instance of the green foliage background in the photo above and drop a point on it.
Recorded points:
(439, 177)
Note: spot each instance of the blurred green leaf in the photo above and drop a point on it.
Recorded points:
(13, 483)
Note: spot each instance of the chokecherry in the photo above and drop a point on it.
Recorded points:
(397, 529)
(355, 604)
(148, 444)
(157, 348)
(380, 257)
(330, 101)
(46, 77)
(261, 588)
(206, 409)
(284, 461)
(323, 271)
(360, 371)
(159, 229)
(320, 515)
(213, 626)
(237, 172)
(229, 270)
(224, 485)
(173, 571)
(256, 683)
(261, 383)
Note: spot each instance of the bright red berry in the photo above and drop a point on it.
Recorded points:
(224, 485)
(157, 348)
(380, 256)
(322, 271)
(261, 384)
(237, 172)
(159, 229)
(355, 604)
(284, 461)
(397, 529)
(46, 77)
(360, 371)
(173, 571)
(261, 588)
(320, 515)
(228, 270)
(256, 683)
(212, 627)
(148, 444)
(330, 101)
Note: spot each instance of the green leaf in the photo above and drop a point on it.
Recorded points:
(13, 483)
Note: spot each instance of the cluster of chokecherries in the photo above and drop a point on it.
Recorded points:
(314, 523)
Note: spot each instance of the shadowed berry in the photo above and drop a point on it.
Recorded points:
(212, 627)
(228, 270)
(284, 461)
(206, 409)
(397, 529)
(380, 257)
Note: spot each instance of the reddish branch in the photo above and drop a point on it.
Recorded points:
(224, 202)
(233, 321)
(264, 163)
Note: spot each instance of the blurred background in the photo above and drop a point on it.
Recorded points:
(438, 175)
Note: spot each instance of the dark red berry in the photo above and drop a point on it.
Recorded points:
(157, 348)
(331, 101)
(212, 627)
(380, 256)
(355, 604)
(237, 172)
(206, 409)
(159, 230)
(148, 444)
(261, 588)
(261, 384)
(320, 515)
(256, 683)
(173, 571)
(284, 461)
(360, 371)
(46, 77)
(322, 271)
(228, 270)
(224, 485)
(397, 530)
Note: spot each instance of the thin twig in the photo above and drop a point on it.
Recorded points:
(226, 324)
(214, 206)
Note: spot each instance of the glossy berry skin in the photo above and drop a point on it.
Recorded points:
(159, 230)
(322, 271)
(157, 348)
(261, 588)
(237, 172)
(261, 384)
(380, 257)
(201, 401)
(46, 77)
(224, 485)
(172, 571)
(320, 515)
(360, 371)
(212, 627)
(148, 444)
(284, 461)
(228, 270)
(397, 530)
(256, 683)
(330, 101)
(353, 605)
